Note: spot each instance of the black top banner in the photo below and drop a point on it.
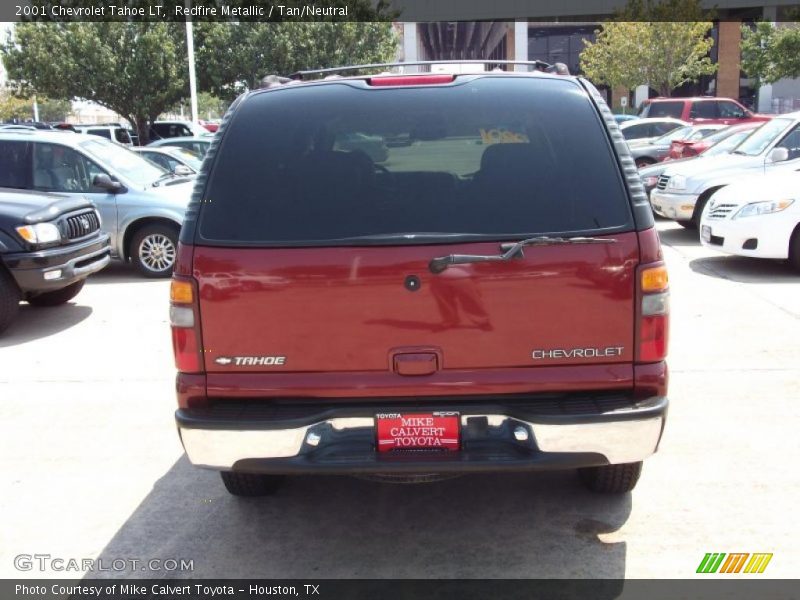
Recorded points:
(376, 10)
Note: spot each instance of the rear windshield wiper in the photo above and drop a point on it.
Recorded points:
(510, 250)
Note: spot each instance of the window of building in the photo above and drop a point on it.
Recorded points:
(559, 44)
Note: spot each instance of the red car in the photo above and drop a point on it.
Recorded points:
(700, 110)
(465, 305)
(688, 148)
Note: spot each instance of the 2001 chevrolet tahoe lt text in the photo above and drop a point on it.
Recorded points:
(367, 285)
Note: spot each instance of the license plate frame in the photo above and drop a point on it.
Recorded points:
(418, 431)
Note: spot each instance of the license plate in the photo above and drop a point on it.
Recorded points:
(705, 233)
(418, 431)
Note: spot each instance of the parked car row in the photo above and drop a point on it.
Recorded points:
(647, 152)
(721, 142)
(70, 203)
(141, 205)
(659, 116)
(739, 186)
(121, 134)
(683, 191)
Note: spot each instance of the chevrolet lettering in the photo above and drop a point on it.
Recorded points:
(556, 353)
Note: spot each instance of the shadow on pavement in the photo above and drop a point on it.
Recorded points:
(516, 525)
(745, 270)
(679, 236)
(118, 272)
(33, 322)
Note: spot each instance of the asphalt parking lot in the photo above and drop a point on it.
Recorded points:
(93, 468)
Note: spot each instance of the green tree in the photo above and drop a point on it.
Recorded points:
(234, 57)
(52, 110)
(135, 69)
(770, 53)
(661, 44)
(13, 107)
(207, 104)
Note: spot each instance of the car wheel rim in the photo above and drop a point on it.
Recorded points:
(157, 253)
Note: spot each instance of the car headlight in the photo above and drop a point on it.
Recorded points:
(677, 182)
(650, 181)
(41, 233)
(762, 208)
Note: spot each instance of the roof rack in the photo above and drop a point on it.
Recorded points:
(538, 65)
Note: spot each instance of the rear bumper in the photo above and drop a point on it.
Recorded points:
(63, 265)
(345, 440)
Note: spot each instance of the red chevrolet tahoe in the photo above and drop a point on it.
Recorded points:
(486, 293)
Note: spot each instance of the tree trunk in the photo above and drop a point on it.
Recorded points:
(142, 125)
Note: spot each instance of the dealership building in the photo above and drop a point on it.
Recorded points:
(557, 31)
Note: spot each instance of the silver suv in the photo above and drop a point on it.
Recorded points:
(141, 205)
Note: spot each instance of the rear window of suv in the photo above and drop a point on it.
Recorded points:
(338, 163)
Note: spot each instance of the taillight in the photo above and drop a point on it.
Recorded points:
(653, 313)
(389, 80)
(185, 326)
(690, 151)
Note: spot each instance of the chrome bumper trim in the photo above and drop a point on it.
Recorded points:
(627, 439)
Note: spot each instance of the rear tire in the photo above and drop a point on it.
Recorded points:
(153, 250)
(9, 299)
(251, 484)
(611, 479)
(794, 249)
(688, 224)
(698, 211)
(57, 297)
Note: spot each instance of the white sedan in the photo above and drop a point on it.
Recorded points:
(758, 216)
